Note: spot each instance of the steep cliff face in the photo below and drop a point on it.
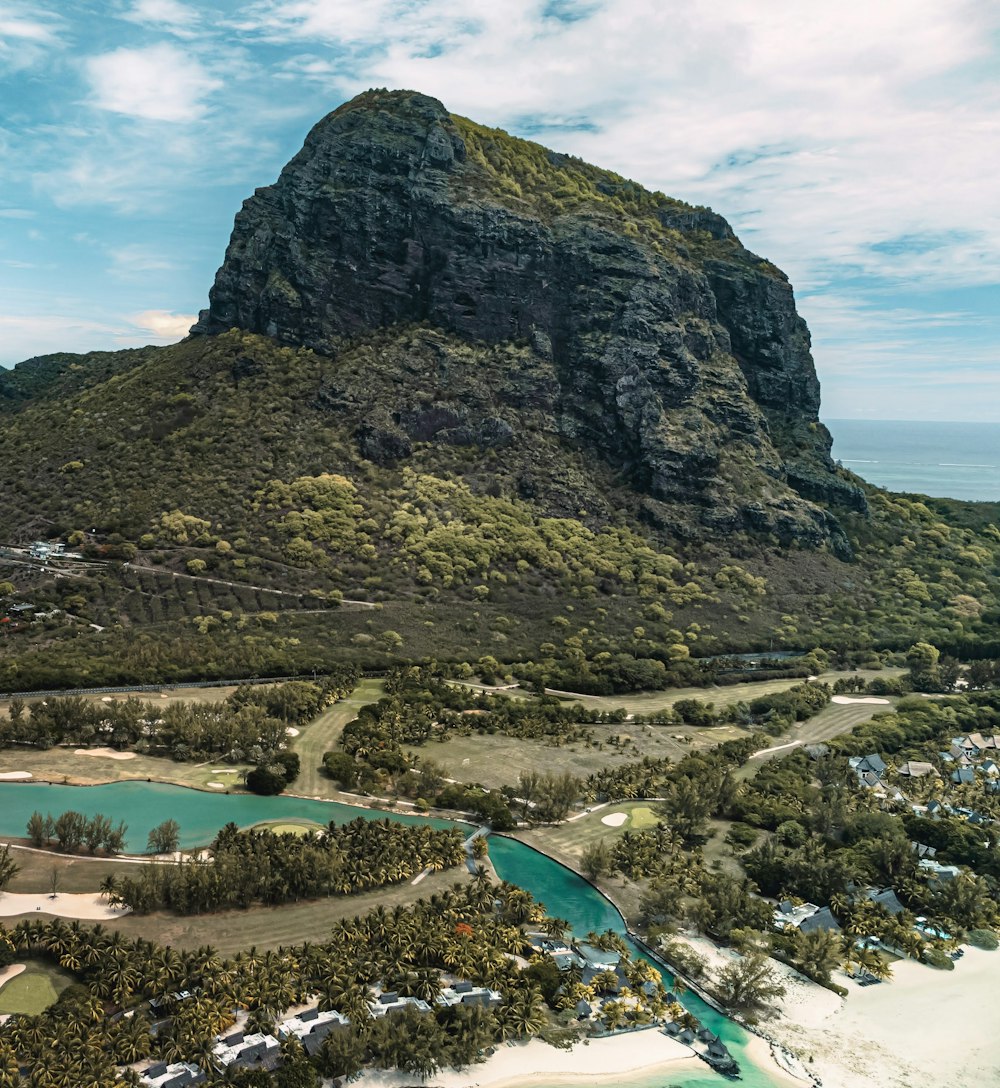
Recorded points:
(665, 347)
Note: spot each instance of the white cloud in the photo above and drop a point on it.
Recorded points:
(170, 15)
(875, 119)
(127, 261)
(27, 36)
(164, 325)
(156, 83)
(23, 336)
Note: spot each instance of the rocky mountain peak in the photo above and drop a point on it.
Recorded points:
(661, 345)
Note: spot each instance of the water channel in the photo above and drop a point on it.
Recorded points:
(144, 805)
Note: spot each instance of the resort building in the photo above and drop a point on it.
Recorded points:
(464, 993)
(936, 872)
(822, 919)
(870, 770)
(312, 1027)
(389, 1003)
(914, 768)
(172, 1075)
(239, 1051)
(791, 916)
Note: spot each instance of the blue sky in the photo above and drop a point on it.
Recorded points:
(856, 145)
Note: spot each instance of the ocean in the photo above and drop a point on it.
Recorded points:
(944, 460)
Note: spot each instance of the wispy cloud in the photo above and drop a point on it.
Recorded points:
(169, 15)
(156, 83)
(135, 259)
(27, 34)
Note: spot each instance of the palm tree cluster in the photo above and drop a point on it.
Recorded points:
(259, 866)
(471, 932)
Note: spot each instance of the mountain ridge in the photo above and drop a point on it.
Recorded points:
(673, 350)
(504, 395)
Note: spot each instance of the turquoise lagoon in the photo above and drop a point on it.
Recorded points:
(144, 805)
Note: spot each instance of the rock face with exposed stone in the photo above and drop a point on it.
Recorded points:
(656, 340)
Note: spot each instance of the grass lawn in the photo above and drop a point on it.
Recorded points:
(570, 839)
(34, 990)
(646, 702)
(642, 816)
(322, 734)
(287, 827)
(76, 874)
(62, 765)
(496, 760)
(831, 721)
(164, 696)
(269, 927)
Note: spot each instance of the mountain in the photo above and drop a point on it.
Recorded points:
(521, 404)
(657, 342)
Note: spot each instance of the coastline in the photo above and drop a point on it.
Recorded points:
(909, 1025)
(594, 1061)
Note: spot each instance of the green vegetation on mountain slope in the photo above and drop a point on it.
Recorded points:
(233, 460)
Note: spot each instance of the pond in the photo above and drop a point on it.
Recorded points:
(144, 805)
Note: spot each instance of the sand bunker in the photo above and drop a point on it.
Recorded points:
(859, 699)
(292, 731)
(7, 973)
(86, 905)
(216, 785)
(235, 770)
(107, 753)
(614, 819)
(15, 776)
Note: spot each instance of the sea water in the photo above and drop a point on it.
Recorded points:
(943, 460)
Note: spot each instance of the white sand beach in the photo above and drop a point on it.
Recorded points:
(598, 1060)
(88, 906)
(909, 1025)
(106, 753)
(900, 1033)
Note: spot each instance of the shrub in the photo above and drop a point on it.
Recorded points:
(267, 780)
(983, 938)
(936, 957)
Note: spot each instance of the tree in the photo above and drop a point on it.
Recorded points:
(69, 830)
(596, 859)
(341, 768)
(267, 779)
(342, 1054)
(922, 660)
(37, 830)
(8, 867)
(165, 838)
(748, 985)
(818, 952)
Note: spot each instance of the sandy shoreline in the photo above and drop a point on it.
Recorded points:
(595, 1061)
(901, 1033)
